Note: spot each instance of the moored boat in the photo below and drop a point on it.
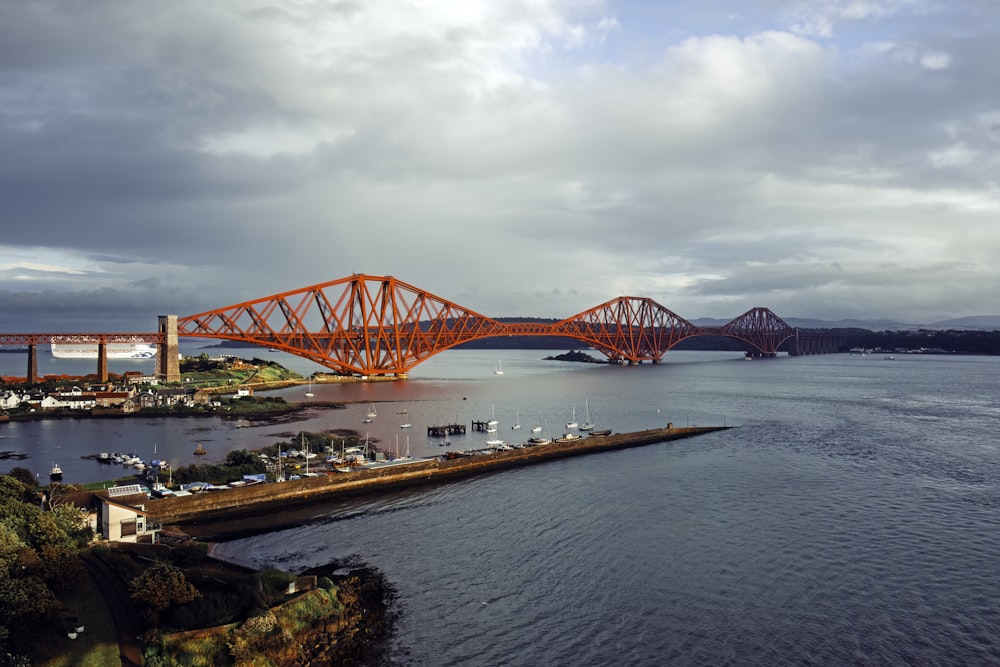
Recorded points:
(55, 473)
(587, 425)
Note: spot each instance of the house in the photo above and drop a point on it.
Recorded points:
(145, 399)
(132, 378)
(172, 396)
(10, 400)
(121, 515)
(74, 399)
(187, 397)
(110, 399)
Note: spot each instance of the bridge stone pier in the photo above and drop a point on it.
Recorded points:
(168, 367)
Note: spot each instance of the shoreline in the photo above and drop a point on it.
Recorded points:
(227, 514)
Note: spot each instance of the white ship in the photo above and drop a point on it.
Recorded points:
(114, 350)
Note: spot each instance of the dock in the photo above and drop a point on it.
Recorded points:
(446, 429)
(219, 508)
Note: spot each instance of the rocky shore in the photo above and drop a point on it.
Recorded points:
(363, 635)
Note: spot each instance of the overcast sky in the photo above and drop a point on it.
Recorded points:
(825, 158)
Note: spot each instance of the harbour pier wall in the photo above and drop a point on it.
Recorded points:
(236, 502)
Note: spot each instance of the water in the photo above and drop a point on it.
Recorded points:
(851, 517)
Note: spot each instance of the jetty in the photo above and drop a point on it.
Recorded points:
(232, 504)
(445, 429)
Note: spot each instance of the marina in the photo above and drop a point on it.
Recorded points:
(390, 475)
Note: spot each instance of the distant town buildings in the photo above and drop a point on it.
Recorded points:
(127, 397)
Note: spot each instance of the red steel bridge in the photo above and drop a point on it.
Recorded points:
(378, 325)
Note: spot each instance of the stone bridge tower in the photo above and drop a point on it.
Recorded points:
(168, 367)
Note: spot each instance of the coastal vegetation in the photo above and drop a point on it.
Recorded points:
(186, 607)
(221, 374)
(40, 567)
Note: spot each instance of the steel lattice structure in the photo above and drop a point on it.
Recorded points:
(377, 325)
(629, 328)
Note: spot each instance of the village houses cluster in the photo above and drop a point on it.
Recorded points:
(134, 393)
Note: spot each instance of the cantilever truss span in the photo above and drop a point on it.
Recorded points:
(377, 325)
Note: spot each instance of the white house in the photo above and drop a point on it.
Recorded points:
(121, 517)
(74, 400)
(10, 400)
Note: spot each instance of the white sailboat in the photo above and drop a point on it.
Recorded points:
(517, 420)
(537, 428)
(587, 425)
(493, 420)
(498, 369)
(538, 439)
(572, 423)
(371, 412)
(310, 394)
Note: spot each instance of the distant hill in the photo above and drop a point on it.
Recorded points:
(972, 323)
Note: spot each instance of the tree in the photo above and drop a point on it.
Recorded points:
(24, 476)
(241, 457)
(161, 587)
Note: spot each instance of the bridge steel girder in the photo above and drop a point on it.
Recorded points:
(377, 325)
(758, 327)
(368, 325)
(633, 328)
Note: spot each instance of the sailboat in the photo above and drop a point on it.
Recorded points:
(517, 420)
(538, 439)
(493, 420)
(371, 415)
(310, 394)
(572, 423)
(305, 451)
(587, 425)
(498, 370)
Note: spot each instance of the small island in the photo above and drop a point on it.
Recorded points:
(575, 355)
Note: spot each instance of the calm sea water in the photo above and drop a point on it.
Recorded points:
(851, 517)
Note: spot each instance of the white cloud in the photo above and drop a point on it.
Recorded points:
(516, 157)
(935, 61)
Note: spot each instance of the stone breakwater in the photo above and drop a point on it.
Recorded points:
(240, 502)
